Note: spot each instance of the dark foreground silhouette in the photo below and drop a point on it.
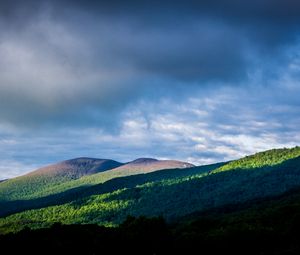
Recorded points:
(206, 235)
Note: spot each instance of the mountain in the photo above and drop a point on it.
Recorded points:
(107, 199)
(61, 192)
(76, 173)
(147, 165)
(76, 168)
(84, 188)
(55, 174)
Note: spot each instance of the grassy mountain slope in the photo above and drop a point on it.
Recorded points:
(246, 179)
(48, 177)
(40, 184)
(147, 165)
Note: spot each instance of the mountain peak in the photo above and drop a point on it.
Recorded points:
(144, 161)
(81, 160)
(77, 167)
(147, 165)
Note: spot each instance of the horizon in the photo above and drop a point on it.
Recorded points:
(135, 159)
(201, 82)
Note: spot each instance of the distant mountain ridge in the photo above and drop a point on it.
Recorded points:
(82, 166)
(45, 180)
(143, 161)
(147, 165)
(55, 174)
(77, 167)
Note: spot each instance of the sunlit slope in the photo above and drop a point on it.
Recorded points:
(247, 179)
(148, 165)
(262, 159)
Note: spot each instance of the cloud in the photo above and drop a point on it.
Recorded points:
(201, 129)
(202, 81)
(76, 63)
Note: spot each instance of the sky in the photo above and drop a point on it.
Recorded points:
(198, 81)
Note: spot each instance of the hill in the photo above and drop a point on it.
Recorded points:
(169, 193)
(77, 173)
(147, 165)
(55, 174)
(76, 168)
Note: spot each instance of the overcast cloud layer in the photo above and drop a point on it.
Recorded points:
(202, 81)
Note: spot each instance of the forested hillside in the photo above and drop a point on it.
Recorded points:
(169, 193)
(265, 226)
(70, 194)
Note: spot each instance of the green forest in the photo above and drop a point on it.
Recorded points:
(265, 226)
(172, 194)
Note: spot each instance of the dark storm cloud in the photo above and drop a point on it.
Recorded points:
(202, 81)
(74, 61)
(193, 40)
(69, 63)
